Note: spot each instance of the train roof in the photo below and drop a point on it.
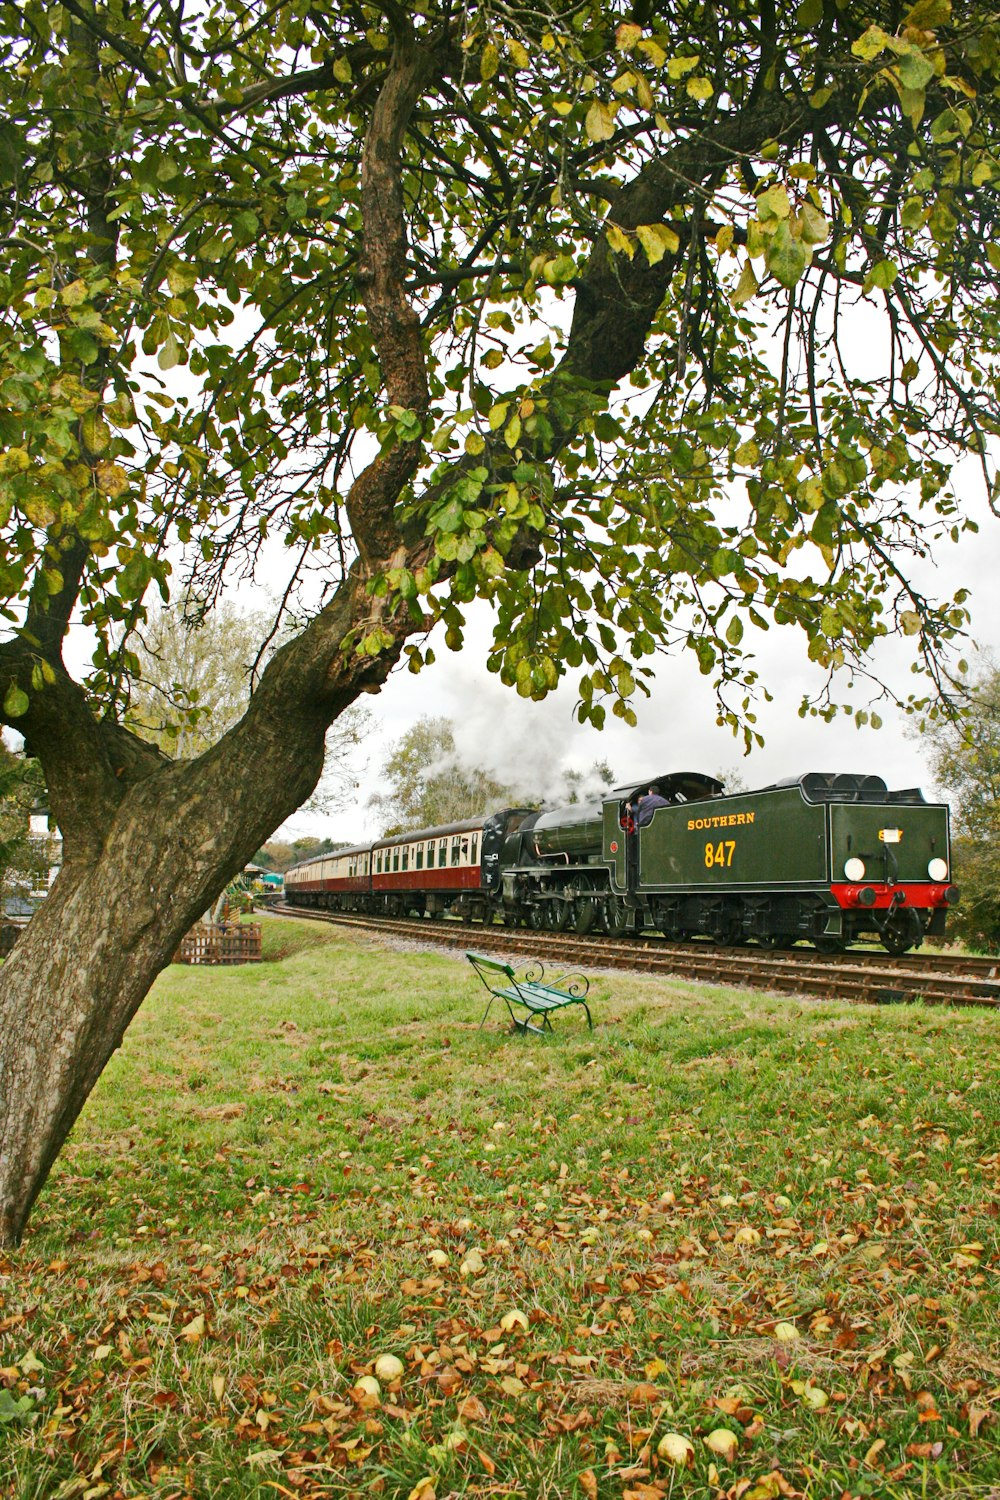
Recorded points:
(467, 825)
(848, 786)
(317, 859)
(675, 786)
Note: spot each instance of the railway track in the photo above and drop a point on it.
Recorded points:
(867, 978)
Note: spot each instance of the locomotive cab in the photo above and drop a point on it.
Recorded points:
(621, 837)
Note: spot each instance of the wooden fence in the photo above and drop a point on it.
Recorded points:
(221, 943)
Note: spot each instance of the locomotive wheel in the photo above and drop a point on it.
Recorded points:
(536, 918)
(901, 932)
(586, 915)
(615, 917)
(768, 941)
(561, 914)
(825, 943)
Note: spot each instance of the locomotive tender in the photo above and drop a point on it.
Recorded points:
(825, 858)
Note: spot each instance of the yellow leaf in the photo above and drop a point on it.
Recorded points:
(653, 51)
(700, 88)
(489, 62)
(677, 67)
(627, 35)
(518, 54)
(657, 240)
(786, 1333)
(873, 1453)
(600, 121)
(619, 240)
(746, 288)
(195, 1329)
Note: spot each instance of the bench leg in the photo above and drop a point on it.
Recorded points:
(587, 1013)
(524, 1026)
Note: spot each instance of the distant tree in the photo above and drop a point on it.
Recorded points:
(24, 859)
(965, 757)
(430, 784)
(733, 780)
(192, 678)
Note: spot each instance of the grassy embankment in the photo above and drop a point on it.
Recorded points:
(720, 1211)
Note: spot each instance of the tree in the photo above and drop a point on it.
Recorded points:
(431, 785)
(24, 859)
(965, 757)
(191, 677)
(539, 304)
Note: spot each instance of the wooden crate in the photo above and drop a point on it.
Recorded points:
(221, 943)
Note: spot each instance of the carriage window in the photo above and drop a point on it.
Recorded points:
(456, 852)
(406, 859)
(475, 848)
(442, 852)
(395, 859)
(379, 862)
(420, 857)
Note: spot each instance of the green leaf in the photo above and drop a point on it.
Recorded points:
(882, 274)
(170, 352)
(746, 287)
(926, 15)
(915, 70)
(786, 258)
(913, 213)
(774, 204)
(815, 228)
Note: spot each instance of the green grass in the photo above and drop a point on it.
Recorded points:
(284, 1171)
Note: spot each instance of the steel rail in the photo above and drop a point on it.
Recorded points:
(874, 979)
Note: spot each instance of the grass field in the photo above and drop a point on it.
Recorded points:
(727, 1244)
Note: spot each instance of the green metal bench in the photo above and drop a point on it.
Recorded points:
(531, 991)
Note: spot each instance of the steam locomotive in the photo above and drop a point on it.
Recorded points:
(829, 859)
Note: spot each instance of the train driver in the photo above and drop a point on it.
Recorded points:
(647, 805)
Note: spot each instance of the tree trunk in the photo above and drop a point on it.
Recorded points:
(112, 922)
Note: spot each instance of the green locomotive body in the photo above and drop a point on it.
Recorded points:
(829, 858)
(824, 858)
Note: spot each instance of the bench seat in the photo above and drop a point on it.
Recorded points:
(530, 991)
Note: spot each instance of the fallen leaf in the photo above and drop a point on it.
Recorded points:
(873, 1452)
